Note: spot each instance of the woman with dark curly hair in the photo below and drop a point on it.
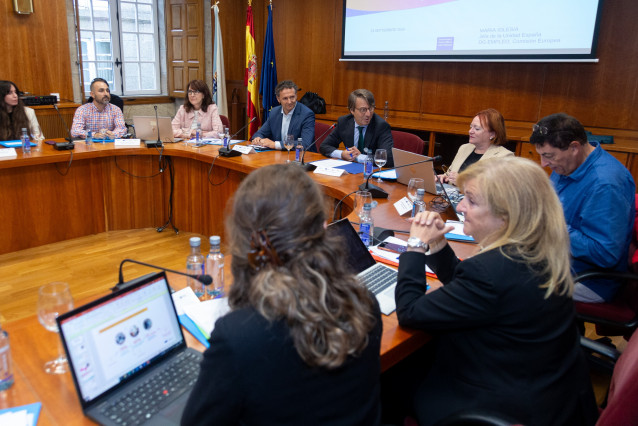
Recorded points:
(14, 116)
(301, 343)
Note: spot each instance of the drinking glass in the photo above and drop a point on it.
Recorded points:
(289, 142)
(413, 186)
(361, 198)
(380, 158)
(54, 299)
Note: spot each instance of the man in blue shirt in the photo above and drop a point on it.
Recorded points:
(598, 197)
(290, 118)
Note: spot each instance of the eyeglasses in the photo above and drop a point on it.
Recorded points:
(540, 129)
(364, 110)
(194, 92)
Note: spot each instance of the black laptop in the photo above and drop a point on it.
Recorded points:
(128, 356)
(380, 279)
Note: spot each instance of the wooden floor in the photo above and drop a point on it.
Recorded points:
(90, 265)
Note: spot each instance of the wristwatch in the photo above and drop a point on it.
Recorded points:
(414, 242)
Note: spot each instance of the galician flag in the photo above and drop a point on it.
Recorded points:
(219, 76)
(250, 79)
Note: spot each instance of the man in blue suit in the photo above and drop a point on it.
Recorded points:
(360, 130)
(290, 118)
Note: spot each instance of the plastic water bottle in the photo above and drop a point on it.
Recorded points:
(226, 137)
(367, 168)
(299, 150)
(195, 266)
(366, 226)
(6, 372)
(418, 205)
(89, 138)
(215, 268)
(26, 142)
(198, 134)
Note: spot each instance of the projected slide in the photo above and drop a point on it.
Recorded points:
(467, 27)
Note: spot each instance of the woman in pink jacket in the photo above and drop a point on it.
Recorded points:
(198, 108)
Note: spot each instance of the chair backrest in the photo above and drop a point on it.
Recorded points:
(115, 100)
(623, 390)
(408, 142)
(225, 121)
(320, 128)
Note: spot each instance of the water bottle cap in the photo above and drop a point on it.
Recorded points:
(420, 191)
(215, 240)
(195, 241)
(24, 129)
(367, 206)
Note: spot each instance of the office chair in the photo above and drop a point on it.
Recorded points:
(115, 100)
(320, 128)
(619, 317)
(477, 418)
(621, 407)
(408, 142)
(225, 121)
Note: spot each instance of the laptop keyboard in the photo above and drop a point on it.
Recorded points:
(378, 278)
(153, 394)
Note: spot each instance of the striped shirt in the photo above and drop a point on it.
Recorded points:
(88, 117)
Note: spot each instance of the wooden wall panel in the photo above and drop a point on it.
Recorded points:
(35, 47)
(185, 44)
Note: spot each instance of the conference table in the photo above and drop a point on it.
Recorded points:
(103, 187)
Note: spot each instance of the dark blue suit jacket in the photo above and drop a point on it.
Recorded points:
(302, 125)
(377, 136)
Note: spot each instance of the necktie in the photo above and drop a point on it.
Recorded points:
(360, 138)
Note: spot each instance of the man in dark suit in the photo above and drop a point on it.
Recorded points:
(360, 129)
(290, 118)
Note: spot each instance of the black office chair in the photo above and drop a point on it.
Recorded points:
(115, 100)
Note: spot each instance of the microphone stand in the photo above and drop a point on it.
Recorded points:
(229, 152)
(312, 167)
(377, 192)
(205, 279)
(60, 146)
(158, 143)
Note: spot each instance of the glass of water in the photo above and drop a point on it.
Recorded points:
(413, 186)
(54, 299)
(289, 142)
(380, 158)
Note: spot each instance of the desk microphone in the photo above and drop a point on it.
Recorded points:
(229, 152)
(380, 193)
(61, 146)
(157, 144)
(204, 278)
(312, 167)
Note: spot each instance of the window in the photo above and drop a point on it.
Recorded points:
(119, 42)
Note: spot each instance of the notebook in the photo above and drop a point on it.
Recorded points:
(380, 279)
(146, 129)
(423, 171)
(124, 343)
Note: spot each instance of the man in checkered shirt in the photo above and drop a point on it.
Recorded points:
(102, 118)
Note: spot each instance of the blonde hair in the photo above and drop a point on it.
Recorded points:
(304, 281)
(519, 191)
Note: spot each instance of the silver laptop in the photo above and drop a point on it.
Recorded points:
(380, 279)
(146, 129)
(124, 344)
(423, 171)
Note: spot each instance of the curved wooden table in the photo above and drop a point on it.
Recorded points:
(43, 204)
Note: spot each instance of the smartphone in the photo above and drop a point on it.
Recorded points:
(396, 248)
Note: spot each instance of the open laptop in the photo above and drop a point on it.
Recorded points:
(423, 171)
(380, 279)
(146, 129)
(127, 341)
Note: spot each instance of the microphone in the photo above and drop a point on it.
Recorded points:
(380, 193)
(204, 278)
(312, 167)
(150, 144)
(60, 146)
(229, 152)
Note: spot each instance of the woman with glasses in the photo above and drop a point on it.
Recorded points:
(302, 340)
(199, 109)
(14, 116)
(487, 137)
(506, 337)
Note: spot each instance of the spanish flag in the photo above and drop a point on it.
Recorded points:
(250, 79)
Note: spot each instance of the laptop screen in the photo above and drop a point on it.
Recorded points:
(110, 340)
(358, 257)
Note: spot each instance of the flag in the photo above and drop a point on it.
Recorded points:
(268, 70)
(250, 79)
(219, 76)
